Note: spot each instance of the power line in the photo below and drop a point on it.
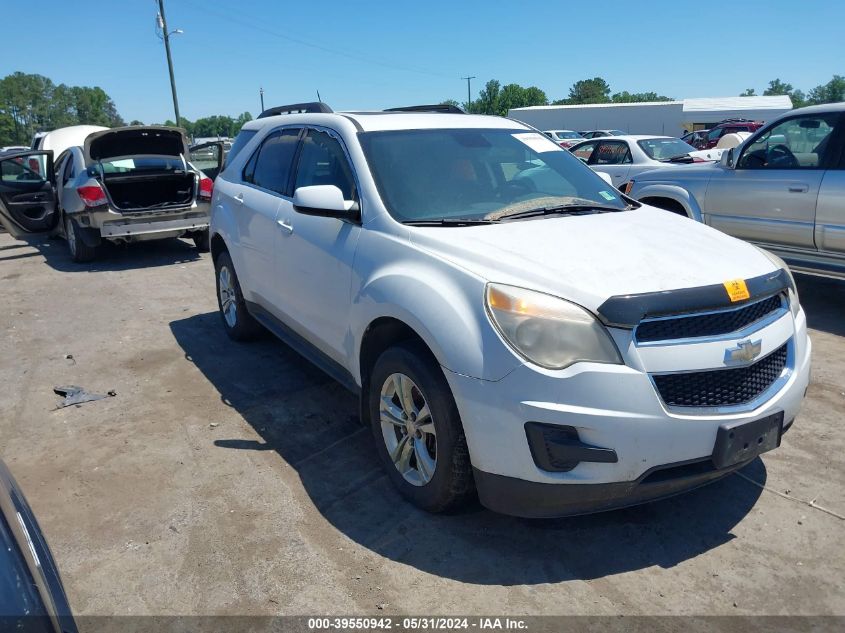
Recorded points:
(361, 58)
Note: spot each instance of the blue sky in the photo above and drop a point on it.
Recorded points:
(375, 54)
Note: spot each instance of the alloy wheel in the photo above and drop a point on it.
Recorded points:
(408, 429)
(228, 298)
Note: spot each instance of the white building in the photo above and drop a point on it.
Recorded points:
(670, 118)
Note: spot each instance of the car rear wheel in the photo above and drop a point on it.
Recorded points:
(79, 250)
(237, 321)
(202, 240)
(417, 429)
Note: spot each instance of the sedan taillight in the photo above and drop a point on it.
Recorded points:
(92, 196)
(206, 188)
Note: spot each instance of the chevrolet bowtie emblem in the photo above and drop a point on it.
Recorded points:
(745, 351)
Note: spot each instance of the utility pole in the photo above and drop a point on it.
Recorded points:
(469, 90)
(162, 22)
(261, 92)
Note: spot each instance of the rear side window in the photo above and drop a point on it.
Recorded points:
(243, 137)
(611, 153)
(270, 167)
(323, 162)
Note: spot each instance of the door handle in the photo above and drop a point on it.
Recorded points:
(239, 198)
(287, 228)
(799, 188)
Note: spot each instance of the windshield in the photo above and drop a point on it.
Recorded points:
(665, 148)
(567, 134)
(471, 173)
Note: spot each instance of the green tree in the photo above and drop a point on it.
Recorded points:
(749, 92)
(595, 90)
(136, 122)
(638, 97)
(831, 92)
(777, 87)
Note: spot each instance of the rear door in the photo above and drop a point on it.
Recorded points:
(208, 158)
(27, 194)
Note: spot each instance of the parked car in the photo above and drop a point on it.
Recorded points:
(510, 322)
(13, 148)
(123, 185)
(32, 597)
(782, 188)
(600, 133)
(696, 138)
(564, 138)
(728, 126)
(623, 157)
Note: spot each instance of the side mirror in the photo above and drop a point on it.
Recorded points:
(326, 201)
(605, 177)
(727, 158)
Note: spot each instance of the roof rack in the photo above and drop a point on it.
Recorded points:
(736, 120)
(297, 108)
(443, 108)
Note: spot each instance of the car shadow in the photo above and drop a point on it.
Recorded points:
(312, 423)
(117, 257)
(823, 299)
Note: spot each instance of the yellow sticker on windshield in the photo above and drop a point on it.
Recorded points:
(737, 290)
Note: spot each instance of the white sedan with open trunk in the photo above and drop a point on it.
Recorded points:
(124, 184)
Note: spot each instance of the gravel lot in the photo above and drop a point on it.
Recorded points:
(235, 479)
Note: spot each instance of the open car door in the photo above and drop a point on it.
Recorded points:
(27, 193)
(208, 158)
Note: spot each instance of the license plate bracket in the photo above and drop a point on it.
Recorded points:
(741, 441)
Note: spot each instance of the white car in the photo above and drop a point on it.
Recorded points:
(511, 323)
(564, 138)
(623, 157)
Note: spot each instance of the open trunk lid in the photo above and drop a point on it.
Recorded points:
(135, 140)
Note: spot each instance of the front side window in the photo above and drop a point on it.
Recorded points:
(798, 143)
(584, 151)
(29, 169)
(270, 167)
(611, 153)
(323, 162)
(441, 174)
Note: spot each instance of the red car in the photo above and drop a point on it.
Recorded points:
(728, 126)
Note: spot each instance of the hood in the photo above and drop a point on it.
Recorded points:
(588, 259)
(136, 140)
(689, 171)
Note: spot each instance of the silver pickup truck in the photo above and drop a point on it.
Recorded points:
(783, 188)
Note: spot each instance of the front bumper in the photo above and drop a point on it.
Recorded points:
(611, 406)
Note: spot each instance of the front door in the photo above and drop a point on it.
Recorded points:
(770, 196)
(208, 158)
(27, 194)
(314, 255)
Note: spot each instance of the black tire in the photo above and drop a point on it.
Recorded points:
(451, 485)
(243, 326)
(202, 240)
(79, 251)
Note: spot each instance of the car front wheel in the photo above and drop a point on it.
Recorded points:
(418, 432)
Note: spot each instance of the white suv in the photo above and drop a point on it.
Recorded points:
(512, 324)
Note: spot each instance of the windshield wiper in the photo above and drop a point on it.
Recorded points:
(448, 222)
(681, 158)
(563, 209)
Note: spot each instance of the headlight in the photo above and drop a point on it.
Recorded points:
(546, 330)
(794, 303)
